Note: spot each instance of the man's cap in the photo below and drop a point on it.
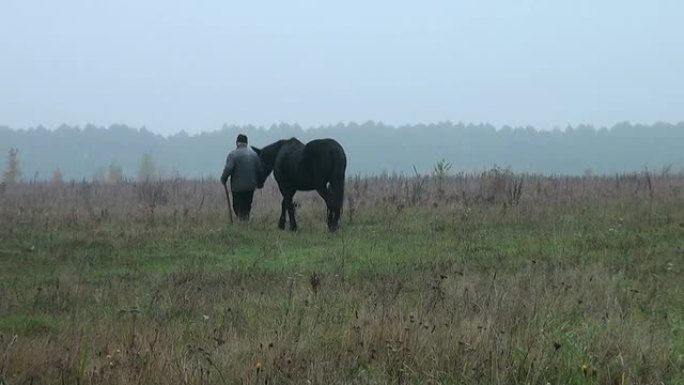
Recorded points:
(242, 138)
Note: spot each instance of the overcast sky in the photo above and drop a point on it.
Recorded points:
(195, 65)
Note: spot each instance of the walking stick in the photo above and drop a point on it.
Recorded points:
(230, 209)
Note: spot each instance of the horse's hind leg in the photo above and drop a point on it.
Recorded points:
(334, 219)
(288, 206)
(293, 221)
(281, 221)
(323, 192)
(332, 226)
(334, 210)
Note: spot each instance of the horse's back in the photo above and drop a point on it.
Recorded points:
(309, 166)
(318, 149)
(325, 155)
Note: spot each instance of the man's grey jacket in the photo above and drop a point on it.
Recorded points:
(244, 169)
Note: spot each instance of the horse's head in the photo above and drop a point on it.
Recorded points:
(267, 155)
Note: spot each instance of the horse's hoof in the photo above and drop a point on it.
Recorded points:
(281, 225)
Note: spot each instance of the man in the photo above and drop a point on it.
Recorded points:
(244, 169)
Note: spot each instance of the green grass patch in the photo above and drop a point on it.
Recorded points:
(585, 292)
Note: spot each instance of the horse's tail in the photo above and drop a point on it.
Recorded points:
(337, 178)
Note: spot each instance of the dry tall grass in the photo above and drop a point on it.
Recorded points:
(482, 279)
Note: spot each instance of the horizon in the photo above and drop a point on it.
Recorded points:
(267, 128)
(172, 66)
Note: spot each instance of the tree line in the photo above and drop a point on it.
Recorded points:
(121, 152)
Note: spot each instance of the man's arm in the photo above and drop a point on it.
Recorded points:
(228, 169)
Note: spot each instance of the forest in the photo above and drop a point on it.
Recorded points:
(119, 151)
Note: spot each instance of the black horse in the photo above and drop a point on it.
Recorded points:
(319, 165)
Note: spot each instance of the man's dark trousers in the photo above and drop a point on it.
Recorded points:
(242, 203)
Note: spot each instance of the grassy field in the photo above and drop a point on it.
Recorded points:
(493, 278)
